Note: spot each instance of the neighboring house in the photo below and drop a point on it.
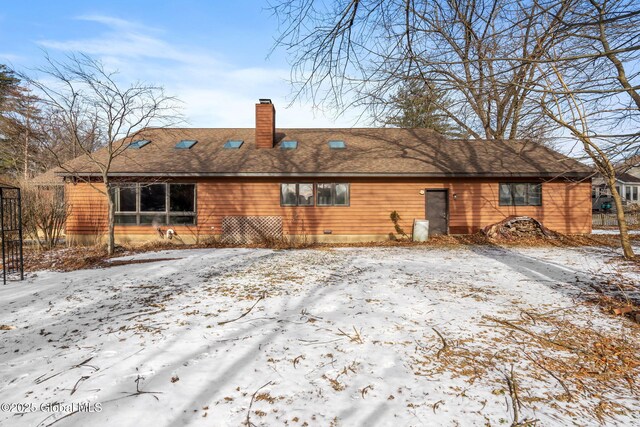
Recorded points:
(631, 166)
(627, 185)
(323, 184)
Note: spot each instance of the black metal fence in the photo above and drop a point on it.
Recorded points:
(11, 233)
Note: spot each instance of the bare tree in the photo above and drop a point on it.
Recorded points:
(481, 53)
(589, 92)
(92, 108)
(510, 68)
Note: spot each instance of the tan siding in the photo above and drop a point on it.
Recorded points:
(566, 207)
(88, 208)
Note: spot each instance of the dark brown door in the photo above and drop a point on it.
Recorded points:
(437, 211)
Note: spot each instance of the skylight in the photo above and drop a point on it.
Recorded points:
(337, 145)
(288, 145)
(233, 144)
(138, 144)
(186, 144)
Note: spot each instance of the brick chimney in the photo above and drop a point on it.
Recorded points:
(265, 124)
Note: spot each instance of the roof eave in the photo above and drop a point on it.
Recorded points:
(577, 175)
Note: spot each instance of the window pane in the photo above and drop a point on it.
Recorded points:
(154, 220)
(627, 191)
(288, 145)
(635, 193)
(288, 194)
(505, 195)
(125, 219)
(342, 194)
(305, 194)
(337, 145)
(182, 219)
(152, 198)
(127, 199)
(519, 194)
(324, 194)
(535, 194)
(182, 197)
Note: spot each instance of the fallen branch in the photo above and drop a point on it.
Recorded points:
(365, 390)
(513, 393)
(246, 312)
(145, 312)
(534, 335)
(445, 346)
(248, 422)
(75, 387)
(356, 337)
(84, 363)
(564, 386)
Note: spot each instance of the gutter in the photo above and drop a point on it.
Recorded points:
(578, 175)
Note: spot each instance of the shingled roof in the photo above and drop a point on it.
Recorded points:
(369, 152)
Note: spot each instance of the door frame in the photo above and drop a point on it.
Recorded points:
(446, 200)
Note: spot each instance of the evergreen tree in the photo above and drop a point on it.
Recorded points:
(417, 105)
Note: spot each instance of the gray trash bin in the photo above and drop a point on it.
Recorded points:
(420, 230)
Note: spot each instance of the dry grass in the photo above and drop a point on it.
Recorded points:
(76, 258)
(594, 371)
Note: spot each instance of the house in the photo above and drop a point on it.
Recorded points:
(627, 185)
(337, 185)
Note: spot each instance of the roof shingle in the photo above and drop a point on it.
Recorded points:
(369, 152)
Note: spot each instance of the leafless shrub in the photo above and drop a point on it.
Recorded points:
(44, 214)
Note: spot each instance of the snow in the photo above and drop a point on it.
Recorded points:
(612, 231)
(343, 336)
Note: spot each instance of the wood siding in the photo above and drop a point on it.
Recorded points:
(566, 206)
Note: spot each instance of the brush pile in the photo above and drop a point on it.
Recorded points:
(518, 227)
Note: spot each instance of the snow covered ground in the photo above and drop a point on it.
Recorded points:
(612, 231)
(350, 336)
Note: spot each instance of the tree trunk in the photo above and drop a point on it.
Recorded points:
(111, 240)
(26, 149)
(622, 222)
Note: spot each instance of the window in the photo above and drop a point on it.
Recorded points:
(155, 204)
(332, 194)
(337, 145)
(305, 194)
(296, 194)
(627, 192)
(182, 198)
(138, 144)
(520, 194)
(288, 145)
(634, 193)
(234, 145)
(302, 194)
(127, 200)
(153, 198)
(186, 144)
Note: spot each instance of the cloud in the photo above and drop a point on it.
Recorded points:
(126, 39)
(115, 22)
(8, 58)
(216, 93)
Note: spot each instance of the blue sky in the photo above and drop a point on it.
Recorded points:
(213, 55)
